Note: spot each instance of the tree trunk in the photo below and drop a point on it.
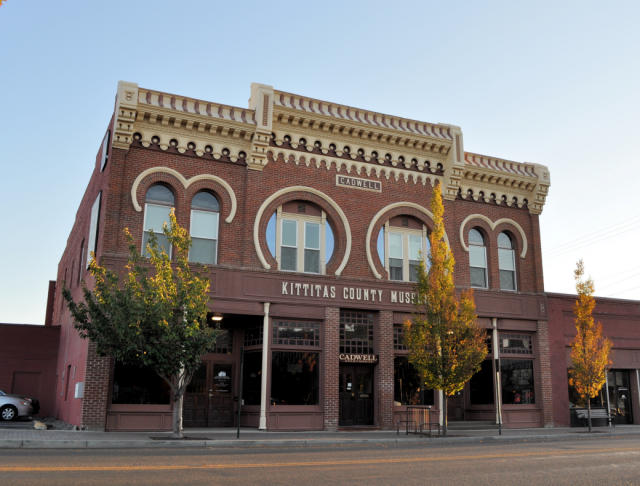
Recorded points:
(589, 412)
(177, 415)
(445, 416)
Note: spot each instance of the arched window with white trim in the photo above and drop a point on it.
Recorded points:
(402, 242)
(478, 259)
(205, 218)
(159, 202)
(506, 262)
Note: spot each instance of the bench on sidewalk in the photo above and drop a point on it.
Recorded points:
(418, 419)
(582, 414)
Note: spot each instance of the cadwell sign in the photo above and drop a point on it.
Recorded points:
(358, 358)
(354, 294)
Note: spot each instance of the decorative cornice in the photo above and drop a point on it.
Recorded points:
(125, 114)
(353, 166)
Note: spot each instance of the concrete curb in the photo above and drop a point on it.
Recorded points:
(295, 443)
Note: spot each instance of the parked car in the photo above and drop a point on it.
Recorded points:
(14, 406)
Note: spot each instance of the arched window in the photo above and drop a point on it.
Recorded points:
(506, 262)
(304, 240)
(158, 204)
(402, 242)
(205, 215)
(477, 259)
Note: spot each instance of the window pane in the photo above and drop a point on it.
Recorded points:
(395, 269)
(408, 388)
(204, 224)
(477, 256)
(203, 251)
(504, 241)
(296, 333)
(475, 237)
(415, 247)
(481, 385)
(312, 235)
(414, 267)
(311, 261)
(516, 343)
(507, 280)
(395, 245)
(160, 193)
(328, 242)
(356, 332)
(381, 244)
(289, 259)
(289, 233)
(133, 384)
(271, 234)
(294, 378)
(478, 277)
(506, 260)
(517, 381)
(155, 217)
(163, 243)
(252, 377)
(205, 200)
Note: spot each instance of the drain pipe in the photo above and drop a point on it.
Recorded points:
(497, 376)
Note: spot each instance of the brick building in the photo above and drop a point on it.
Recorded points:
(309, 217)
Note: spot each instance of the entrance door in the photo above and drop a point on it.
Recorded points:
(620, 395)
(356, 395)
(455, 407)
(208, 401)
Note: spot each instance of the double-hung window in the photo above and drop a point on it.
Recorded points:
(205, 215)
(477, 259)
(301, 242)
(159, 202)
(403, 249)
(506, 262)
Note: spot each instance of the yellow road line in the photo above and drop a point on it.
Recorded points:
(348, 462)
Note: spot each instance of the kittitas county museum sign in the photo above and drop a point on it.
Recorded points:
(353, 294)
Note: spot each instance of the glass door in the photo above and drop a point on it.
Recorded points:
(620, 396)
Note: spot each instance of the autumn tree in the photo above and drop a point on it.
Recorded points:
(155, 317)
(589, 349)
(445, 344)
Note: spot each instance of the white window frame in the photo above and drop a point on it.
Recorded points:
(301, 220)
(486, 262)
(105, 150)
(92, 243)
(404, 232)
(217, 231)
(144, 226)
(512, 252)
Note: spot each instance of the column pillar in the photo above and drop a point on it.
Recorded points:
(383, 336)
(544, 362)
(96, 390)
(331, 368)
(266, 338)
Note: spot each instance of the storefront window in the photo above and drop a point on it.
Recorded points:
(252, 377)
(294, 378)
(481, 385)
(356, 332)
(296, 333)
(408, 388)
(136, 385)
(517, 381)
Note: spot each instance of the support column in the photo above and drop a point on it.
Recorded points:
(96, 390)
(497, 384)
(266, 335)
(331, 368)
(544, 361)
(383, 337)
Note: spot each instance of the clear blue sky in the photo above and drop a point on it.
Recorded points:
(551, 82)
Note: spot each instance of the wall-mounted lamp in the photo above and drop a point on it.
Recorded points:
(216, 317)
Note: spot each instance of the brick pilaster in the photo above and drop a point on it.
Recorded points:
(331, 367)
(96, 390)
(383, 337)
(544, 360)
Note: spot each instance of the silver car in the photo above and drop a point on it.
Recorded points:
(13, 406)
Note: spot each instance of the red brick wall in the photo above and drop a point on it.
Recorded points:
(383, 337)
(331, 405)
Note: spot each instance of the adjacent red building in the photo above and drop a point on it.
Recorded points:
(310, 218)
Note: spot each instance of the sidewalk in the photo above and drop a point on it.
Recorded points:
(15, 438)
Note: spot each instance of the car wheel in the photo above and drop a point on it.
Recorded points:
(8, 413)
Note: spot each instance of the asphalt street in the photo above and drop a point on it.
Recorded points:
(610, 460)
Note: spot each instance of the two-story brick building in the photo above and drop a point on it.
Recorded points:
(310, 218)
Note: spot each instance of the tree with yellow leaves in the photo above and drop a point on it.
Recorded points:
(445, 344)
(589, 349)
(156, 320)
